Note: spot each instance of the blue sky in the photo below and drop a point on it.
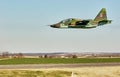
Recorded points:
(24, 26)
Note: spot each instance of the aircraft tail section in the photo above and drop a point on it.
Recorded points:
(101, 15)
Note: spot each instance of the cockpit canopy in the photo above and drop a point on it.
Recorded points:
(73, 21)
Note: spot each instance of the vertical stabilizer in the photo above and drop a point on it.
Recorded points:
(101, 15)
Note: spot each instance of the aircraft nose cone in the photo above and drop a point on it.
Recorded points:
(53, 26)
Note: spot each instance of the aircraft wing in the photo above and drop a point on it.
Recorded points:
(83, 22)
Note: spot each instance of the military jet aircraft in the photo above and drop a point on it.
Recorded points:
(100, 19)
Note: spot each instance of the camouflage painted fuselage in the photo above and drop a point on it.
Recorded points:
(100, 19)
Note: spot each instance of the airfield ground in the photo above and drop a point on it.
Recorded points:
(59, 67)
(112, 71)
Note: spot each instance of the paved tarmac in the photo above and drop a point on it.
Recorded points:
(40, 66)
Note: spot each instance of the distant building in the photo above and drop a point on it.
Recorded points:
(17, 55)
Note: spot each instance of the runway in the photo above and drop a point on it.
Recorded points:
(40, 66)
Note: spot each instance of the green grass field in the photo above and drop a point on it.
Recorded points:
(56, 60)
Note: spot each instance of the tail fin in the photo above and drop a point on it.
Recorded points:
(101, 15)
